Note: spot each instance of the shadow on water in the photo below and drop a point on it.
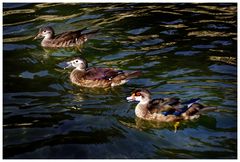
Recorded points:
(183, 50)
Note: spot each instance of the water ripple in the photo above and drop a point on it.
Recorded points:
(183, 50)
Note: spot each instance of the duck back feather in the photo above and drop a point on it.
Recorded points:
(100, 77)
(163, 104)
(69, 39)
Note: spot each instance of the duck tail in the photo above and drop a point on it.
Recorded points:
(126, 76)
(91, 34)
(207, 109)
(133, 74)
(193, 100)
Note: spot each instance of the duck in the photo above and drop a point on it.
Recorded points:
(64, 40)
(97, 76)
(165, 109)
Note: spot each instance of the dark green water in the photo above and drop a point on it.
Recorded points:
(183, 50)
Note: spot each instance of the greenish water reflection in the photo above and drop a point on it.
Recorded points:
(184, 50)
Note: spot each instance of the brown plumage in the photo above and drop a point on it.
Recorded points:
(149, 109)
(97, 77)
(156, 105)
(163, 104)
(66, 39)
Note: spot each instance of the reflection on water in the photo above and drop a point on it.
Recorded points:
(184, 50)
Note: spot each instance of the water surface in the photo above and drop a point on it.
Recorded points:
(184, 50)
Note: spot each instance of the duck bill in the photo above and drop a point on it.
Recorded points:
(130, 98)
(37, 36)
(69, 65)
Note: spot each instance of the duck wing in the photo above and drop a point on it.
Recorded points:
(70, 34)
(72, 37)
(171, 104)
(101, 73)
(163, 104)
(189, 107)
(154, 106)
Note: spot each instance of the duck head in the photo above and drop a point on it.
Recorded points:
(45, 32)
(140, 95)
(78, 63)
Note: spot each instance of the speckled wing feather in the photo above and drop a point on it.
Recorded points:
(100, 77)
(172, 101)
(72, 38)
(101, 74)
(166, 104)
(82, 78)
(67, 38)
(70, 34)
(154, 106)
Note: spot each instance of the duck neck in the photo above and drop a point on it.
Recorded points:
(145, 100)
(48, 37)
(47, 40)
(141, 109)
(76, 76)
(76, 73)
(80, 69)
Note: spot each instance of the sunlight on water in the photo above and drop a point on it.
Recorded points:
(183, 50)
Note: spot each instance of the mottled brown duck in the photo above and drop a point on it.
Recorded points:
(96, 76)
(166, 109)
(63, 40)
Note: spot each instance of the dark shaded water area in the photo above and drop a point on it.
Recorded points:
(184, 50)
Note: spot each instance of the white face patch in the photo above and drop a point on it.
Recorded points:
(135, 98)
(76, 62)
(46, 35)
(138, 98)
(129, 98)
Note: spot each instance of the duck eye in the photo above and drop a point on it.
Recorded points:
(138, 94)
(76, 60)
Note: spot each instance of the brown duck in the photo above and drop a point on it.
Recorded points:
(66, 39)
(97, 77)
(165, 109)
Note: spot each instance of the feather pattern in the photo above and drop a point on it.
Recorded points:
(66, 39)
(149, 109)
(98, 77)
